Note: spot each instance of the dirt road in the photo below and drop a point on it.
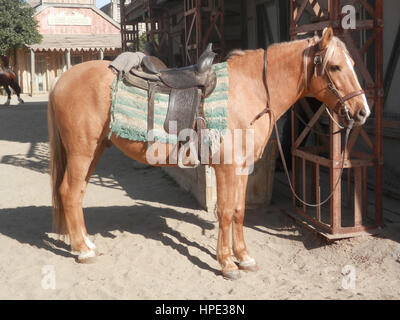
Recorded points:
(156, 243)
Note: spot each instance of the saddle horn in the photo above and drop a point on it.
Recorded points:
(206, 59)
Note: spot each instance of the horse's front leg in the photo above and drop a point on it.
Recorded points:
(246, 262)
(231, 190)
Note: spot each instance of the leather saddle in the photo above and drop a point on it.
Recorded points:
(187, 87)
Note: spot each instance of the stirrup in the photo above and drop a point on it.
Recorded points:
(193, 158)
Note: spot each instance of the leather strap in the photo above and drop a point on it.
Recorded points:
(150, 110)
(200, 122)
(346, 141)
(265, 77)
(267, 107)
(342, 100)
(352, 95)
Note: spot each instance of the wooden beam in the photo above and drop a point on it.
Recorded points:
(307, 129)
(335, 180)
(33, 73)
(307, 109)
(354, 51)
(317, 191)
(304, 180)
(358, 195)
(367, 7)
(392, 65)
(68, 58)
(299, 13)
(316, 8)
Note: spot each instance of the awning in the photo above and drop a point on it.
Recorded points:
(85, 42)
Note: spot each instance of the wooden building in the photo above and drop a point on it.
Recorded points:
(113, 9)
(73, 31)
(181, 29)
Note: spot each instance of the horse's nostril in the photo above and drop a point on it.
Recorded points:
(362, 114)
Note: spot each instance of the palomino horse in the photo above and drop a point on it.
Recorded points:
(79, 118)
(9, 78)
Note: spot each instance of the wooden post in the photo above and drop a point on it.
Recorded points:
(318, 191)
(358, 196)
(68, 58)
(335, 155)
(379, 110)
(33, 74)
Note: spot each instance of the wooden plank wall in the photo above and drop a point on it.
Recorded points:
(99, 25)
(70, 1)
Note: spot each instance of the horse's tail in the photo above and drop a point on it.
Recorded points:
(58, 161)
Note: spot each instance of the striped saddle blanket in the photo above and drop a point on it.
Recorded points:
(129, 110)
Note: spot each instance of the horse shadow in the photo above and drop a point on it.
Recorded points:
(32, 226)
(140, 181)
(271, 221)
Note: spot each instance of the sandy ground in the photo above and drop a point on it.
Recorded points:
(156, 243)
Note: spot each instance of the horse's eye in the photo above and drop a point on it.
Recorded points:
(335, 68)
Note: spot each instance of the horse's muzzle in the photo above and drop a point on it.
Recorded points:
(362, 115)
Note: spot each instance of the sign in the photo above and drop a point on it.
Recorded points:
(74, 19)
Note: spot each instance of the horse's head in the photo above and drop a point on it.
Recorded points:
(333, 79)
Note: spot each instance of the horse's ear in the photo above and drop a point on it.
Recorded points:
(327, 36)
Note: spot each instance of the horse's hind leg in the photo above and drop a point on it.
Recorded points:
(8, 95)
(231, 189)
(99, 151)
(17, 90)
(72, 191)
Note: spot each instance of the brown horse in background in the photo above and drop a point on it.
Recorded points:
(79, 118)
(8, 78)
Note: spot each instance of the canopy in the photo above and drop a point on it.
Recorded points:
(85, 42)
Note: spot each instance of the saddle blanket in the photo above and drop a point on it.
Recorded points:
(129, 110)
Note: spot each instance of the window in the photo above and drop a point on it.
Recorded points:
(76, 60)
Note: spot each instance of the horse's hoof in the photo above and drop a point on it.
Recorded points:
(87, 257)
(248, 265)
(21, 101)
(231, 274)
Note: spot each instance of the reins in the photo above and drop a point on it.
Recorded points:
(342, 110)
(348, 130)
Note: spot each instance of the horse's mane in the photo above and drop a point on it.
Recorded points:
(236, 53)
(240, 52)
(330, 50)
(335, 43)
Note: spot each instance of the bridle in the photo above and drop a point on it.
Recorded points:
(340, 108)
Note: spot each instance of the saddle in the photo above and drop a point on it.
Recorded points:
(187, 87)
